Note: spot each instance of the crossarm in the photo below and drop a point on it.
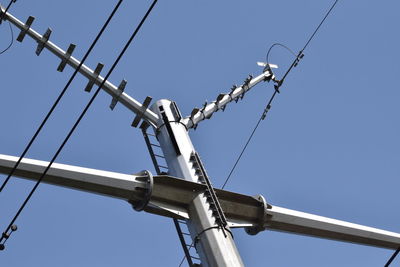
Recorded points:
(94, 77)
(169, 196)
(296, 222)
(223, 99)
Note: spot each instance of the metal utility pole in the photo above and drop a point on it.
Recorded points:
(183, 191)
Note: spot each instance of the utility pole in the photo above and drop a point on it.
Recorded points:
(184, 191)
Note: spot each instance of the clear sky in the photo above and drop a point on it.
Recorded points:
(329, 145)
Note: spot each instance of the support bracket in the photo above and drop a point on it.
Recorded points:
(115, 99)
(43, 41)
(67, 56)
(96, 74)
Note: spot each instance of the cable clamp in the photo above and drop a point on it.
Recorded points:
(121, 89)
(297, 60)
(246, 85)
(233, 88)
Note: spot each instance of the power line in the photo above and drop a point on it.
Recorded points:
(392, 257)
(77, 122)
(61, 95)
(7, 8)
(12, 40)
(278, 84)
(2, 14)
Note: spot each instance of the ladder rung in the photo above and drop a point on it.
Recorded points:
(154, 145)
(159, 156)
(160, 166)
(151, 134)
(194, 257)
(186, 234)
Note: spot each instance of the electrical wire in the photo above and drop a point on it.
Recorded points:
(277, 86)
(392, 257)
(61, 94)
(2, 14)
(12, 40)
(278, 44)
(78, 120)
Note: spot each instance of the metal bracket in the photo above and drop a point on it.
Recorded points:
(263, 217)
(139, 116)
(115, 99)
(96, 73)
(66, 58)
(27, 26)
(147, 177)
(42, 42)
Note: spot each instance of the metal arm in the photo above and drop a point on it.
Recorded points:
(66, 58)
(169, 196)
(223, 99)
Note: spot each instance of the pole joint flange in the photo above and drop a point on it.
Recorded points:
(147, 178)
(253, 230)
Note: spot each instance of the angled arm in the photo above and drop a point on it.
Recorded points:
(223, 99)
(93, 76)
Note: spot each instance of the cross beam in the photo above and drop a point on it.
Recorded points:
(170, 196)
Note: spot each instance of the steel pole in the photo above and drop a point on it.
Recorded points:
(214, 245)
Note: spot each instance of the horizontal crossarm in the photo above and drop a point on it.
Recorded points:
(94, 78)
(170, 196)
(296, 222)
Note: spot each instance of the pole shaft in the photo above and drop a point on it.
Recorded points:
(214, 246)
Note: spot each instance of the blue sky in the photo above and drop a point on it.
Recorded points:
(329, 146)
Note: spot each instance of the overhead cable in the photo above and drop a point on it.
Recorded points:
(278, 84)
(394, 255)
(11, 41)
(2, 14)
(11, 224)
(6, 10)
(61, 94)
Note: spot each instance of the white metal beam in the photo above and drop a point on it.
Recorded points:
(129, 102)
(297, 222)
(208, 110)
(171, 197)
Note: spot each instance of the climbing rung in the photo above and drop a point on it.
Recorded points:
(163, 167)
(159, 156)
(155, 145)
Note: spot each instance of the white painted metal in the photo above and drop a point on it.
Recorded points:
(112, 184)
(213, 246)
(171, 197)
(110, 88)
(214, 106)
(313, 225)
